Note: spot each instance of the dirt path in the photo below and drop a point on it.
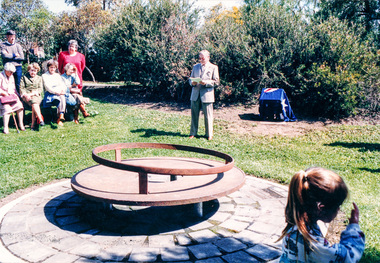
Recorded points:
(243, 119)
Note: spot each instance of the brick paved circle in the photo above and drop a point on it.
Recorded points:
(53, 224)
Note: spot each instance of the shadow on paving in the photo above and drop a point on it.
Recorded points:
(80, 215)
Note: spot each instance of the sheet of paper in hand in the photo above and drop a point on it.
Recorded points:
(197, 80)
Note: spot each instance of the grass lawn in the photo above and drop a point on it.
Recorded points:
(59, 152)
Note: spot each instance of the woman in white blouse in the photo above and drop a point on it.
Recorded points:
(55, 90)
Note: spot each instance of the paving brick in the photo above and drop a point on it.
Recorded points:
(224, 199)
(66, 211)
(249, 237)
(13, 222)
(220, 216)
(243, 218)
(202, 225)
(203, 236)
(264, 252)
(234, 225)
(67, 220)
(224, 232)
(51, 237)
(226, 207)
(144, 254)
(68, 243)
(77, 227)
(206, 250)
(183, 240)
(174, 254)
(211, 260)
(161, 241)
(38, 224)
(133, 241)
(32, 251)
(12, 238)
(263, 228)
(61, 257)
(86, 249)
(114, 253)
(230, 244)
(21, 207)
(248, 211)
(240, 257)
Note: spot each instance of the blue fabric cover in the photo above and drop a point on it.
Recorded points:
(275, 102)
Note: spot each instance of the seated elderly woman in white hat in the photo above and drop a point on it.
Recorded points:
(13, 104)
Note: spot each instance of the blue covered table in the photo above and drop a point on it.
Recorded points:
(274, 104)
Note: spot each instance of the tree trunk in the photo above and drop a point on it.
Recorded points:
(92, 75)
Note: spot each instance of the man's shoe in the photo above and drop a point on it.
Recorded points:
(209, 138)
(191, 136)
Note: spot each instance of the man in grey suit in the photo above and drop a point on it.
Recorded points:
(204, 77)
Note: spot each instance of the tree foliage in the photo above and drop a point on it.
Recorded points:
(82, 25)
(105, 4)
(31, 20)
(366, 12)
(151, 43)
(340, 65)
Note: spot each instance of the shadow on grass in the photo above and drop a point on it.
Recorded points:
(155, 132)
(131, 95)
(375, 171)
(362, 146)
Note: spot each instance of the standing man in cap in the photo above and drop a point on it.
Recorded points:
(204, 77)
(12, 52)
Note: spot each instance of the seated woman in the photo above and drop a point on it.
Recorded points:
(71, 79)
(55, 90)
(8, 87)
(31, 90)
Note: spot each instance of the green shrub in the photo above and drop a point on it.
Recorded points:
(340, 64)
(152, 43)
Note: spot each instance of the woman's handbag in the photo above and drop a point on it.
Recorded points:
(11, 98)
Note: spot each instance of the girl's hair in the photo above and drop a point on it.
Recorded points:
(52, 62)
(34, 66)
(307, 189)
(67, 66)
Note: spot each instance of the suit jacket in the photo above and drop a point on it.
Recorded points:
(210, 76)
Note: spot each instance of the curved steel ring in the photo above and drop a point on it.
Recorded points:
(229, 161)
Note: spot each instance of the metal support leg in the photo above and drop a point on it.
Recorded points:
(107, 206)
(198, 209)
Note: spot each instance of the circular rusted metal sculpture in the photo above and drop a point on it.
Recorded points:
(134, 182)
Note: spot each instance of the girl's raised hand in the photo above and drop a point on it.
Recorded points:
(354, 219)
